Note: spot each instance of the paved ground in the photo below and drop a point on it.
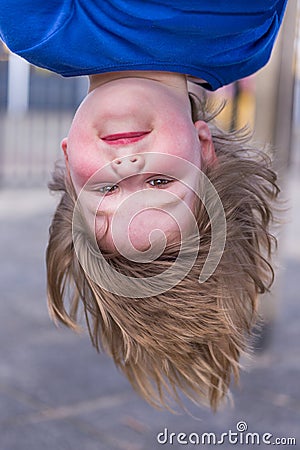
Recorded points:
(56, 393)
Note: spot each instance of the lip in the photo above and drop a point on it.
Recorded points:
(125, 138)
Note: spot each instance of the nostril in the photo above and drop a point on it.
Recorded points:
(133, 159)
(117, 161)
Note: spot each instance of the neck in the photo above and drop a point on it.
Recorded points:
(172, 79)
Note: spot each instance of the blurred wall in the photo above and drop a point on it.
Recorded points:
(275, 93)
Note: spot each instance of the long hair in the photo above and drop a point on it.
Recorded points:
(188, 339)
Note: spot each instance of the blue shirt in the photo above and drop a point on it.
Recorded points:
(217, 40)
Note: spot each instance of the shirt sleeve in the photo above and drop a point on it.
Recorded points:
(25, 23)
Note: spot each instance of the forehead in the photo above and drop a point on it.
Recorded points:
(139, 223)
(150, 228)
(126, 221)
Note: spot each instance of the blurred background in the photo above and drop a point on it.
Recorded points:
(55, 391)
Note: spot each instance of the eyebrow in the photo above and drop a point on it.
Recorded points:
(159, 204)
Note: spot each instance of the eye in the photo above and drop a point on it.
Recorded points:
(108, 189)
(158, 182)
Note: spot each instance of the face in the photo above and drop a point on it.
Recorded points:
(133, 154)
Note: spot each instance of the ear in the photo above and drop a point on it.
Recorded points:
(64, 147)
(208, 154)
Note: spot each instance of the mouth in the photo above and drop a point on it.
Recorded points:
(125, 138)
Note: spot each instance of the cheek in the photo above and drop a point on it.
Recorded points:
(82, 170)
(84, 158)
(182, 141)
(84, 162)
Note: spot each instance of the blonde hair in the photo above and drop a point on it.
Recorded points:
(190, 337)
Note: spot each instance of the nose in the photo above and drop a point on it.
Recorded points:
(128, 165)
